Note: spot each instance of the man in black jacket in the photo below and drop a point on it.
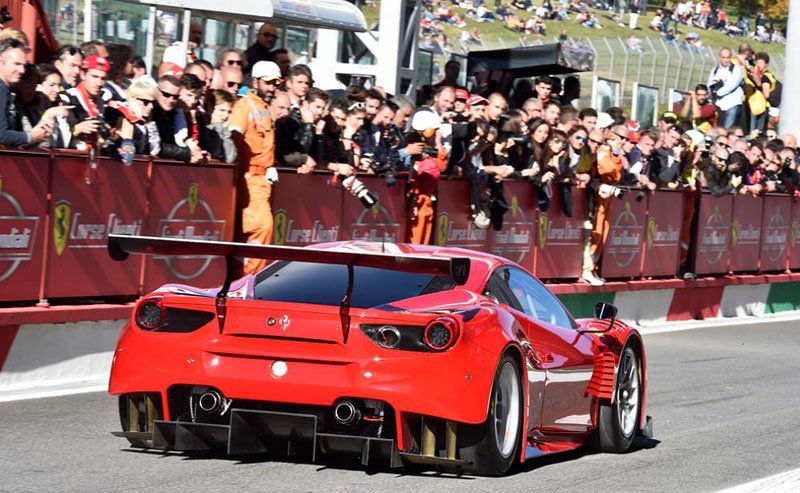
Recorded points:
(164, 115)
(86, 118)
(12, 66)
(717, 179)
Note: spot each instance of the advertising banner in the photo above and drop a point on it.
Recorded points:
(192, 206)
(559, 239)
(86, 206)
(307, 209)
(712, 234)
(23, 210)
(777, 223)
(745, 242)
(663, 233)
(516, 240)
(794, 237)
(454, 225)
(622, 255)
(385, 221)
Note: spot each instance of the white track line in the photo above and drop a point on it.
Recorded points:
(53, 391)
(718, 322)
(784, 482)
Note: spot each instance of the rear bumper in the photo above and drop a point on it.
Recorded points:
(452, 385)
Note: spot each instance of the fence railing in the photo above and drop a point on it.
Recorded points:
(645, 60)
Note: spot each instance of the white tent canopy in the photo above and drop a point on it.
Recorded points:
(326, 14)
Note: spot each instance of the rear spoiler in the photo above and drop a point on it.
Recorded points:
(121, 246)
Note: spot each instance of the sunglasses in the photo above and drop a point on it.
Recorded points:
(231, 83)
(357, 106)
(598, 142)
(234, 62)
(557, 141)
(146, 101)
(623, 137)
(168, 94)
(581, 139)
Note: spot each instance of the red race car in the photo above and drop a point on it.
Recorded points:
(399, 354)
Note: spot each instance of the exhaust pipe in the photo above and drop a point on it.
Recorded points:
(211, 401)
(346, 413)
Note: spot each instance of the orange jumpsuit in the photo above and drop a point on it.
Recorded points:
(421, 225)
(609, 167)
(256, 147)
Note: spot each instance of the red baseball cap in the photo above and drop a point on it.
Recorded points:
(462, 94)
(477, 99)
(96, 62)
(633, 131)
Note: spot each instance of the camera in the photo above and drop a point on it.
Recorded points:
(611, 191)
(360, 191)
(102, 128)
(5, 15)
(713, 88)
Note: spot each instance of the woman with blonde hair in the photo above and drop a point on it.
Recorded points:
(136, 133)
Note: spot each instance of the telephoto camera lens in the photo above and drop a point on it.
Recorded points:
(359, 190)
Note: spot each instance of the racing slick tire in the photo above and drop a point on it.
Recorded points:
(618, 422)
(491, 447)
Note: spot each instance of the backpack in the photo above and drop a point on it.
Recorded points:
(775, 96)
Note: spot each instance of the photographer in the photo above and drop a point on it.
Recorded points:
(300, 135)
(387, 152)
(759, 84)
(698, 110)
(725, 85)
(86, 121)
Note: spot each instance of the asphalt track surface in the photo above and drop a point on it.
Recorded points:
(725, 402)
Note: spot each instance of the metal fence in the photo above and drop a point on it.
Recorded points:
(642, 60)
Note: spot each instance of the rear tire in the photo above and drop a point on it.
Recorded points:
(493, 446)
(618, 422)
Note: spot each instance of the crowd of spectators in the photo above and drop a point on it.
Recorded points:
(260, 111)
(707, 15)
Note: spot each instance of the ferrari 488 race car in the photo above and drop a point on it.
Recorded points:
(399, 354)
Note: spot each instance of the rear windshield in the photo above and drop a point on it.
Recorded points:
(326, 284)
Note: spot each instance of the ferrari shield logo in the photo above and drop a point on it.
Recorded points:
(376, 209)
(194, 193)
(544, 225)
(444, 226)
(795, 232)
(61, 220)
(651, 232)
(279, 228)
(514, 206)
(735, 227)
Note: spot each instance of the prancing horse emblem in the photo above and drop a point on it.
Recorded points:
(285, 322)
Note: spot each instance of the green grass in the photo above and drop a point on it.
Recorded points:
(495, 34)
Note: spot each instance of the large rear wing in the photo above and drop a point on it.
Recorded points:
(120, 246)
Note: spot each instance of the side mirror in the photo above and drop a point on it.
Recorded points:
(605, 311)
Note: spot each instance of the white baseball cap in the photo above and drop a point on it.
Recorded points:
(604, 120)
(266, 70)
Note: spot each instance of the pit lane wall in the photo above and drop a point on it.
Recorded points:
(56, 211)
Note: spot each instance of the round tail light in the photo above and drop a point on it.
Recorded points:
(441, 333)
(150, 314)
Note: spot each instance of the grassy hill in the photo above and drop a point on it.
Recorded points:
(496, 35)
